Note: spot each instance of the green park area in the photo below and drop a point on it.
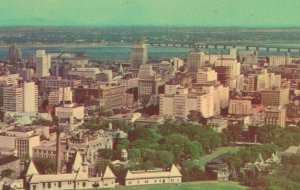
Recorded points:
(202, 185)
(220, 151)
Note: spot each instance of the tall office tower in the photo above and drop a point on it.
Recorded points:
(43, 63)
(224, 74)
(30, 97)
(184, 100)
(227, 69)
(195, 60)
(13, 98)
(206, 74)
(139, 54)
(14, 54)
(275, 97)
(148, 85)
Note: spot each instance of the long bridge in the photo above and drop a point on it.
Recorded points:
(256, 47)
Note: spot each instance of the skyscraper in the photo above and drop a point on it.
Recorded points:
(195, 60)
(14, 54)
(23, 98)
(43, 63)
(30, 97)
(138, 54)
(13, 98)
(275, 97)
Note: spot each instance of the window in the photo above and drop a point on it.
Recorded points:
(49, 185)
(83, 184)
(34, 187)
(44, 185)
(59, 184)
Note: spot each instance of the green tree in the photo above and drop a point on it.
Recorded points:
(105, 153)
(101, 165)
(45, 165)
(134, 155)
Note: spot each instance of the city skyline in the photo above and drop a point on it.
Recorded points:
(203, 13)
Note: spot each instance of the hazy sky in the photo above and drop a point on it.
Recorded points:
(151, 12)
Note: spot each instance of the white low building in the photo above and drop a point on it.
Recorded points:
(78, 179)
(147, 177)
(70, 111)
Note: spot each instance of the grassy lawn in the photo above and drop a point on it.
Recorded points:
(204, 159)
(205, 185)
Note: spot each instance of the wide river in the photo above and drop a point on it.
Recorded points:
(123, 52)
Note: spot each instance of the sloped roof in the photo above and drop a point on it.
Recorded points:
(108, 174)
(77, 161)
(82, 174)
(31, 170)
(7, 159)
(53, 177)
(157, 173)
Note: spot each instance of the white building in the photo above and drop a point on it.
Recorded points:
(10, 79)
(85, 72)
(30, 97)
(157, 176)
(13, 99)
(280, 60)
(206, 74)
(235, 66)
(240, 107)
(56, 96)
(77, 179)
(184, 100)
(21, 98)
(70, 111)
(42, 63)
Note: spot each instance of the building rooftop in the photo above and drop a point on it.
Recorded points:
(7, 159)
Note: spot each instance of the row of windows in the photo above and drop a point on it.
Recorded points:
(155, 181)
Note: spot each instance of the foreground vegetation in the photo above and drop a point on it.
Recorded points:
(190, 146)
(213, 185)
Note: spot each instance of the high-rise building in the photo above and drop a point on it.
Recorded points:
(263, 81)
(30, 97)
(240, 106)
(138, 54)
(224, 74)
(42, 63)
(148, 85)
(228, 70)
(14, 54)
(13, 98)
(195, 60)
(184, 100)
(10, 79)
(206, 74)
(58, 95)
(275, 97)
(275, 115)
(20, 98)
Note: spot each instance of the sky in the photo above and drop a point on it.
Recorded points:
(242, 13)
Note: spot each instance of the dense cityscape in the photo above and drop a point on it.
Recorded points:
(142, 107)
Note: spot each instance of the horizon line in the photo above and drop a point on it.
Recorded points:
(158, 26)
